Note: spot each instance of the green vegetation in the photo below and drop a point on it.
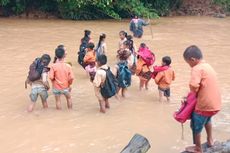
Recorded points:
(224, 3)
(96, 9)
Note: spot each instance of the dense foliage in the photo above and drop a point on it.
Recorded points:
(223, 3)
(96, 9)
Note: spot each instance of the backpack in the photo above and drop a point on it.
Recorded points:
(82, 52)
(123, 75)
(35, 70)
(110, 86)
(147, 55)
(186, 109)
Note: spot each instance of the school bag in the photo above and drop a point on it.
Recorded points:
(35, 70)
(147, 55)
(186, 109)
(82, 52)
(123, 75)
(110, 86)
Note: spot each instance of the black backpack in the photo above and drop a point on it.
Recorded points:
(82, 52)
(35, 70)
(110, 86)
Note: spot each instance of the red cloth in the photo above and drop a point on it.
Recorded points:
(158, 69)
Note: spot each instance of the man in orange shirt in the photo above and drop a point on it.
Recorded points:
(204, 82)
(164, 78)
(61, 75)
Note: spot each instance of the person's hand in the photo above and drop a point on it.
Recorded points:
(70, 89)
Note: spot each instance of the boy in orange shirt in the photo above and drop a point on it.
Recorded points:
(164, 78)
(204, 82)
(61, 75)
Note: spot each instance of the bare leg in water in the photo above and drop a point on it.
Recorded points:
(208, 128)
(107, 104)
(102, 106)
(58, 102)
(161, 94)
(69, 101)
(123, 91)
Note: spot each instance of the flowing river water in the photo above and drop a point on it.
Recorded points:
(84, 129)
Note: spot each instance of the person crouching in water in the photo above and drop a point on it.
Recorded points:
(90, 61)
(164, 79)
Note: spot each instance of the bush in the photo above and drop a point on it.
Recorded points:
(224, 3)
(163, 7)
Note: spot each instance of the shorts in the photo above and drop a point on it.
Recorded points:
(146, 75)
(58, 92)
(198, 122)
(38, 91)
(165, 91)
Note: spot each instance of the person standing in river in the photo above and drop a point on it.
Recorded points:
(136, 26)
(204, 83)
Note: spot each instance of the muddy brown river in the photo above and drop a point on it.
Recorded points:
(84, 129)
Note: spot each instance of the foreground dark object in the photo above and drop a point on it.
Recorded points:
(138, 144)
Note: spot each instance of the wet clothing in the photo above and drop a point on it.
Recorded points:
(136, 26)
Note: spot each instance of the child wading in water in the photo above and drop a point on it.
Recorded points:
(39, 84)
(61, 76)
(145, 59)
(90, 61)
(164, 78)
(204, 82)
(82, 49)
(101, 46)
(122, 35)
(122, 72)
(99, 80)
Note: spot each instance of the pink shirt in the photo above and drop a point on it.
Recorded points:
(204, 82)
(61, 75)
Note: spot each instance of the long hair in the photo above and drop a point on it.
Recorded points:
(130, 41)
(101, 38)
(86, 37)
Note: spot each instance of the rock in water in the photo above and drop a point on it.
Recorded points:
(218, 147)
(138, 144)
(219, 15)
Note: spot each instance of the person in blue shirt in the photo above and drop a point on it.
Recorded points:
(136, 26)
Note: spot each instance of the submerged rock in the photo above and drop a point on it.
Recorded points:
(219, 15)
(218, 147)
